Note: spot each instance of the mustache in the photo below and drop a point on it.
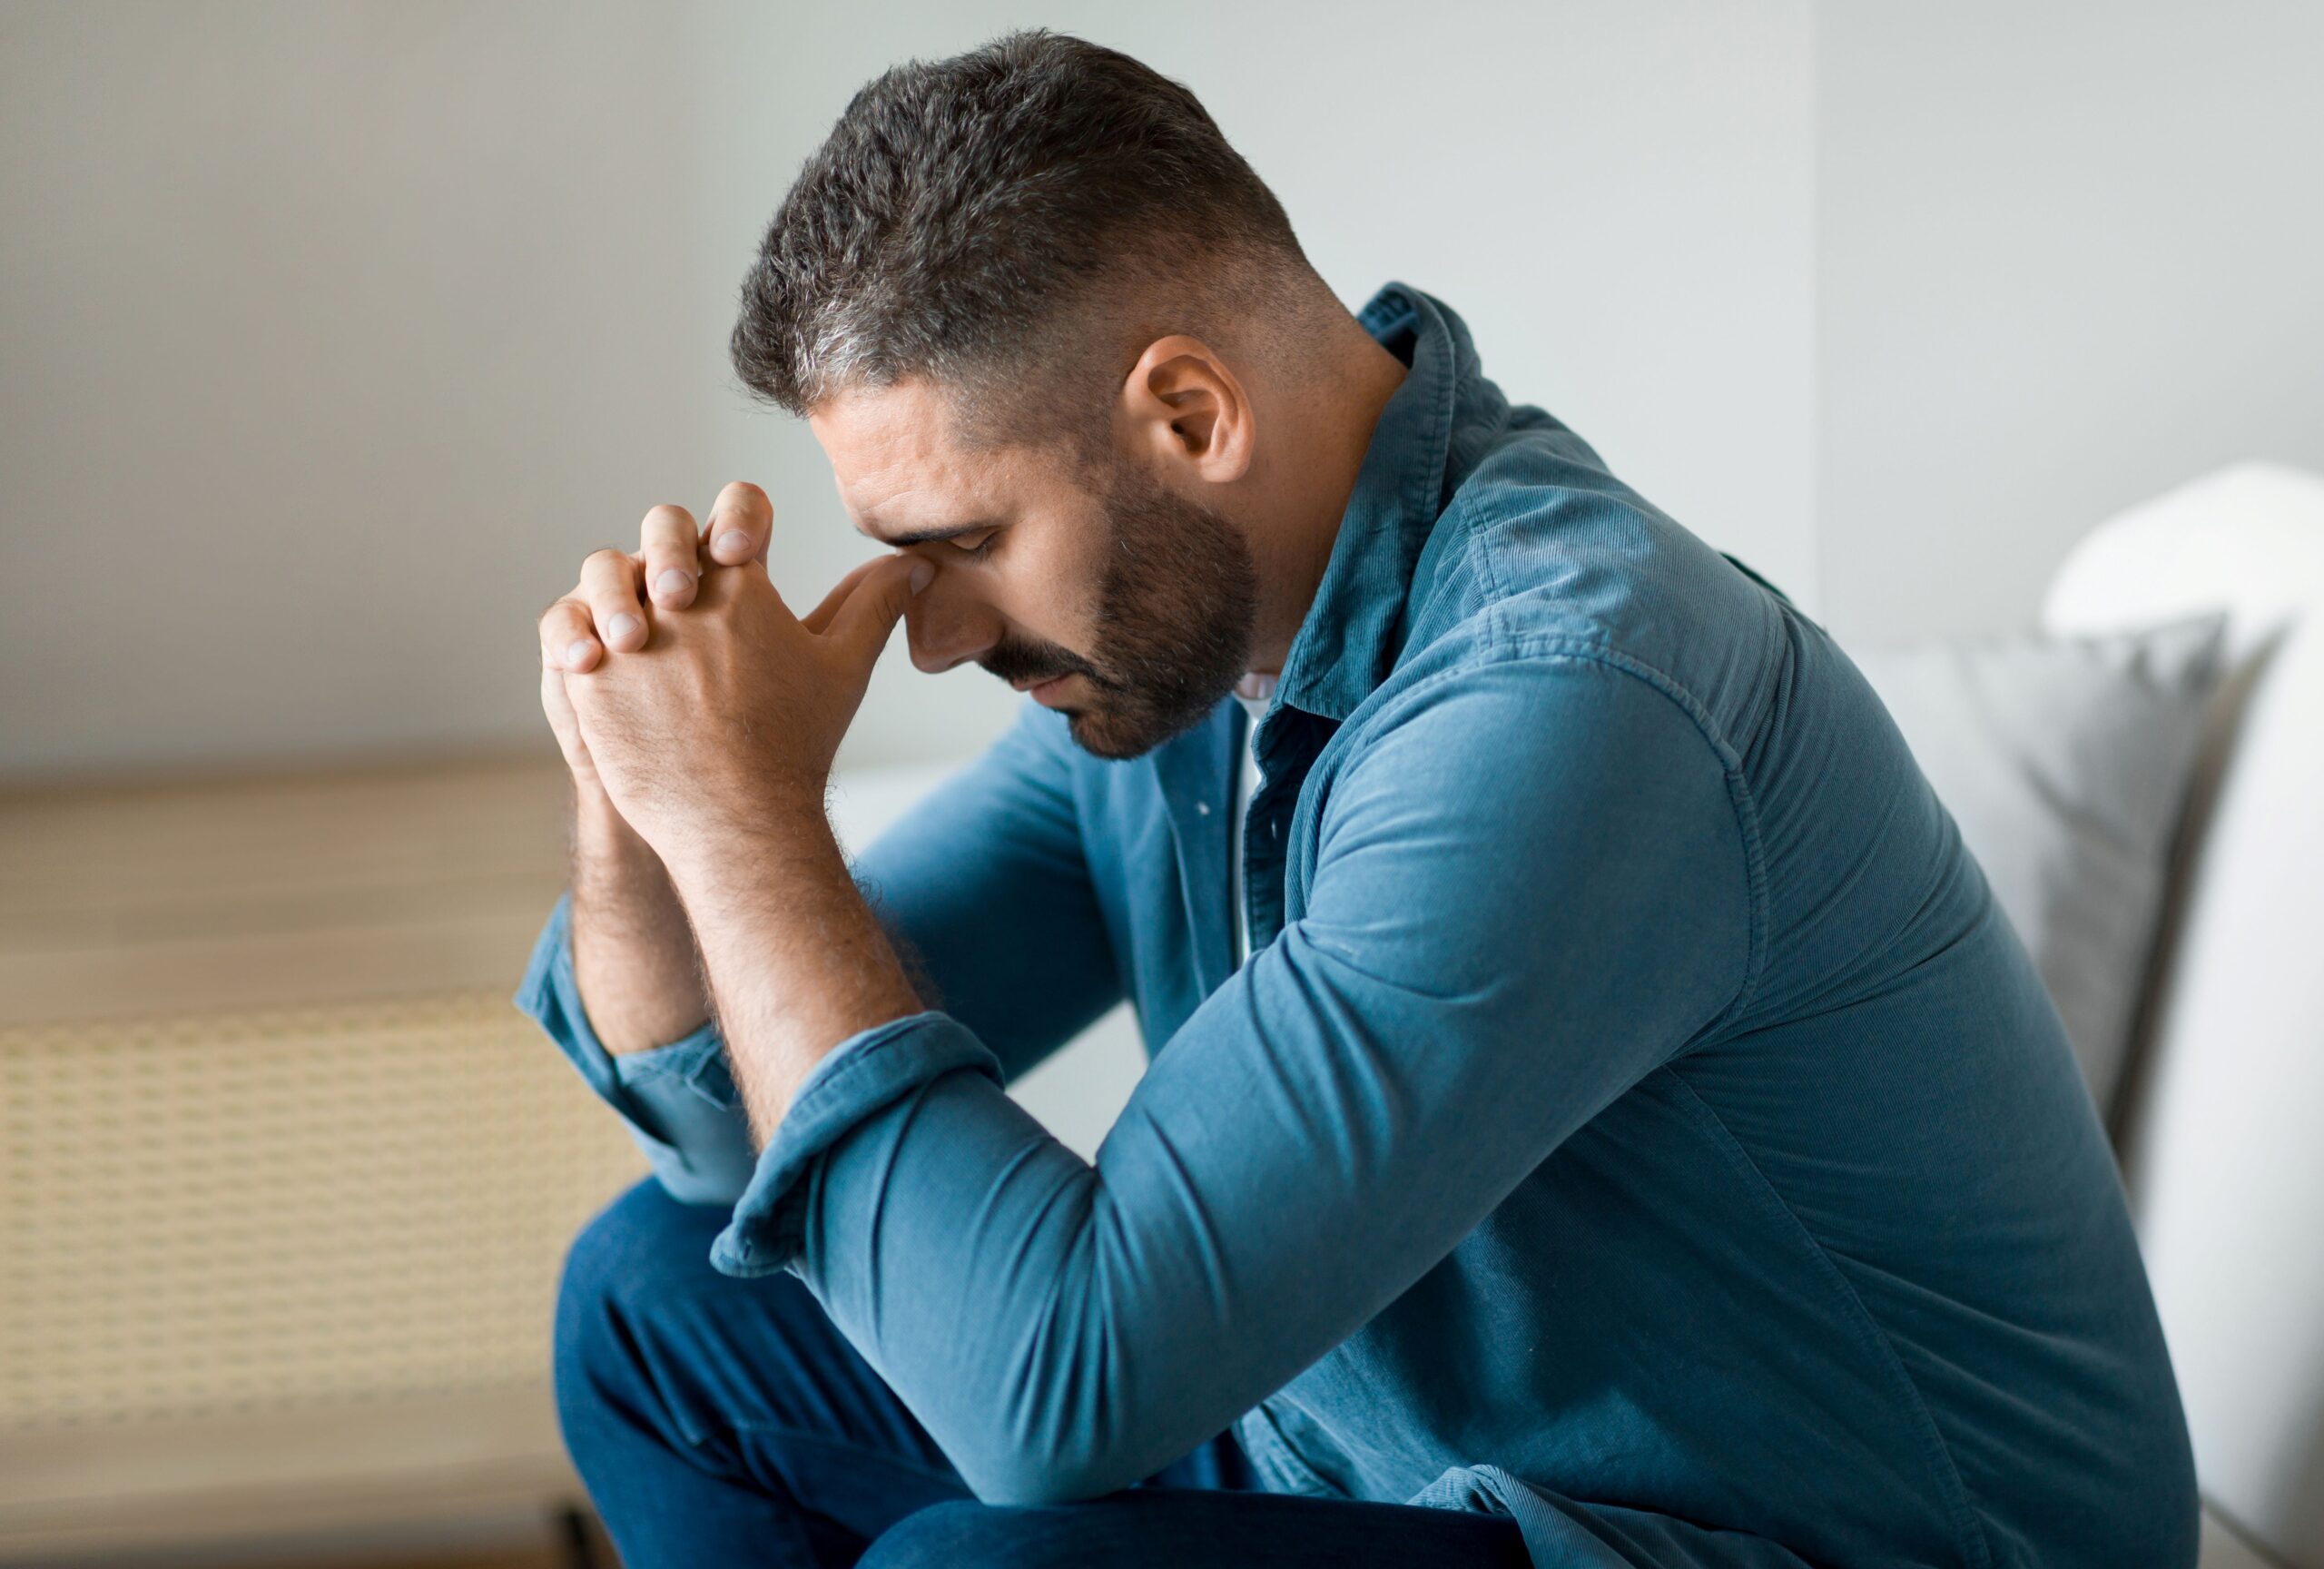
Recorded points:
(1032, 663)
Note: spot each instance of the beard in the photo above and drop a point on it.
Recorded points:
(1177, 607)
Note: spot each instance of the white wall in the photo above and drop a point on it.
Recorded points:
(2067, 256)
(331, 337)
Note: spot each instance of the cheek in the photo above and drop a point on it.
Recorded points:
(1053, 593)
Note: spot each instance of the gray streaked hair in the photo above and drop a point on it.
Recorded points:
(1018, 215)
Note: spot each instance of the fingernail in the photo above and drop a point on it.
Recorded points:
(672, 583)
(733, 542)
(922, 571)
(622, 626)
(576, 652)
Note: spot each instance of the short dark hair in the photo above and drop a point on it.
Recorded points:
(969, 218)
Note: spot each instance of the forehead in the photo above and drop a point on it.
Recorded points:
(899, 465)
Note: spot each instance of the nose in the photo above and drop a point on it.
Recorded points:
(947, 626)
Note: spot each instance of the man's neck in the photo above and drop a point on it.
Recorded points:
(1322, 430)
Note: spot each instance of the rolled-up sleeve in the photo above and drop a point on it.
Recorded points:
(1529, 890)
(862, 1078)
(678, 1101)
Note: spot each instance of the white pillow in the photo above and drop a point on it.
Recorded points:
(2065, 763)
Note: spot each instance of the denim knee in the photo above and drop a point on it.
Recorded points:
(966, 1535)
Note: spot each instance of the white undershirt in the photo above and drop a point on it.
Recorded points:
(1254, 691)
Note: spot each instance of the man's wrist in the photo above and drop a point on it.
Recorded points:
(604, 843)
(594, 814)
(788, 830)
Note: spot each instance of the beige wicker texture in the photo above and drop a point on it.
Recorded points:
(265, 1210)
(285, 1179)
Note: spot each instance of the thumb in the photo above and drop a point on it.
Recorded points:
(864, 620)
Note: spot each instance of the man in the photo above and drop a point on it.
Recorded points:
(1596, 1113)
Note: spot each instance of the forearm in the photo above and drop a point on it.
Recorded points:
(634, 958)
(794, 976)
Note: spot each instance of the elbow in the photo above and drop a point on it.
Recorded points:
(1058, 1451)
(1061, 1416)
(1024, 1476)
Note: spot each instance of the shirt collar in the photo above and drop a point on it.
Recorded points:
(1348, 641)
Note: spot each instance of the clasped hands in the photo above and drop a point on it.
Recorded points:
(677, 679)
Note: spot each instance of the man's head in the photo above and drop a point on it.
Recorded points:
(1029, 299)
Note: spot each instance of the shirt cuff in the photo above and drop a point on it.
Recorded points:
(678, 1100)
(862, 1076)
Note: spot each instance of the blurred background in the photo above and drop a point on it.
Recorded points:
(333, 335)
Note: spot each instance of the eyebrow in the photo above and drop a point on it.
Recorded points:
(930, 535)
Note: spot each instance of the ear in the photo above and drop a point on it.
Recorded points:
(1188, 410)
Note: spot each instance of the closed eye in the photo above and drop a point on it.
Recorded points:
(974, 544)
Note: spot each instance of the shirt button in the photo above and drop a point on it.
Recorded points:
(1202, 808)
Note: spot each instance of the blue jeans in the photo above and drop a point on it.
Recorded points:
(723, 1421)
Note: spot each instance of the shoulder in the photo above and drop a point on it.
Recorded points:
(1541, 555)
(1527, 721)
